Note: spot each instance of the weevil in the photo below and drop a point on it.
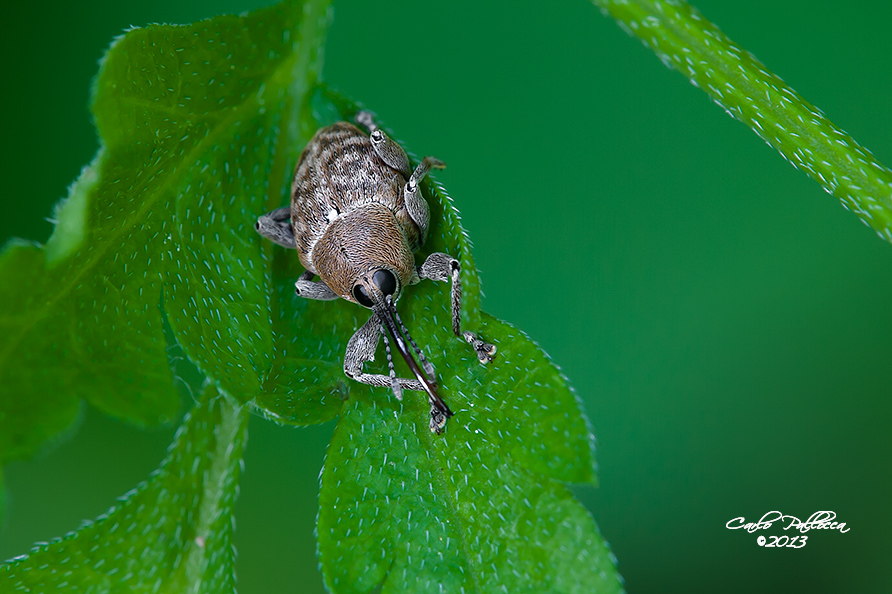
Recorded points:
(356, 218)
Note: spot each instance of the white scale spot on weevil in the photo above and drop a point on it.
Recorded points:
(332, 215)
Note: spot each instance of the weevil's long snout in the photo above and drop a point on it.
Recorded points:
(389, 318)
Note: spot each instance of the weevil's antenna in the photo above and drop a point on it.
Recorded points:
(394, 383)
(428, 367)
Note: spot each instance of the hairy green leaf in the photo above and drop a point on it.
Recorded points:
(478, 509)
(749, 92)
(200, 126)
(173, 533)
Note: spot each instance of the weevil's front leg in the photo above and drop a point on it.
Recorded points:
(309, 289)
(276, 226)
(361, 349)
(415, 203)
(440, 267)
(385, 147)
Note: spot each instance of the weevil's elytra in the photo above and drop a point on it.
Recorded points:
(356, 218)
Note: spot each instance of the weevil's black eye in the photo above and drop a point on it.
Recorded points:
(385, 281)
(362, 296)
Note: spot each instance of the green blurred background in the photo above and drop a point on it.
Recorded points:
(727, 324)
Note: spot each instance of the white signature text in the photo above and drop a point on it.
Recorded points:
(822, 520)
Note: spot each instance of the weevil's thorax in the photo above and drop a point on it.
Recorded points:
(338, 175)
(357, 244)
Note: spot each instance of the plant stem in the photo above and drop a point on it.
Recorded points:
(230, 423)
(739, 83)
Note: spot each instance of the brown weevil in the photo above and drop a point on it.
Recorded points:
(356, 218)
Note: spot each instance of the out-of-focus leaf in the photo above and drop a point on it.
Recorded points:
(200, 125)
(2, 499)
(173, 533)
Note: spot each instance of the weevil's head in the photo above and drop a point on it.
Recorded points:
(364, 256)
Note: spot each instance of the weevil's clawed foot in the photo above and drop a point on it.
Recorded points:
(436, 163)
(429, 371)
(485, 351)
(365, 118)
(438, 419)
(397, 389)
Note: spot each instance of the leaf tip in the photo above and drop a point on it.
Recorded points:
(70, 215)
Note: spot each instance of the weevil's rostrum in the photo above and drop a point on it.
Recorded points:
(356, 218)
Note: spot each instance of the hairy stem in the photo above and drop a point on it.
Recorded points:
(739, 83)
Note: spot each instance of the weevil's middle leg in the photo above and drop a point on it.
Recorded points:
(440, 267)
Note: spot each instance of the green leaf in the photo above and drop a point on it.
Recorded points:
(172, 533)
(200, 125)
(478, 509)
(749, 92)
